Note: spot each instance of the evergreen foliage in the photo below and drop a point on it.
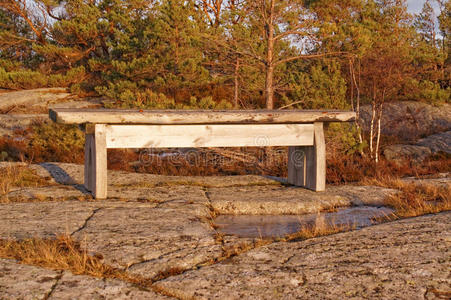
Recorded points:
(237, 53)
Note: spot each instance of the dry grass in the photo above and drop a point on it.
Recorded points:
(415, 199)
(14, 176)
(319, 228)
(355, 168)
(62, 253)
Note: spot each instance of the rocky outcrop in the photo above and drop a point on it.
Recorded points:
(401, 152)
(440, 142)
(410, 120)
(32, 97)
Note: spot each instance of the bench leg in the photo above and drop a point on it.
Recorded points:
(307, 164)
(96, 161)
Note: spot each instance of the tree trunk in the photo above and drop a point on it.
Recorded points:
(269, 85)
(373, 116)
(357, 118)
(379, 117)
(269, 90)
(236, 83)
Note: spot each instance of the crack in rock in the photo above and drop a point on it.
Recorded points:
(86, 221)
(52, 289)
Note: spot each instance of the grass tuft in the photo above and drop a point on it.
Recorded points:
(415, 199)
(14, 176)
(62, 253)
(319, 228)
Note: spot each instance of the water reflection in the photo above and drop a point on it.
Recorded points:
(272, 226)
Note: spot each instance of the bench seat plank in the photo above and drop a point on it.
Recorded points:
(166, 136)
(161, 117)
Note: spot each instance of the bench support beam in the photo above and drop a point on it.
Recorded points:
(307, 164)
(95, 177)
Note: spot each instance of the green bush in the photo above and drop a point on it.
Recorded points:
(9, 65)
(56, 142)
(27, 79)
(428, 91)
(24, 79)
(343, 138)
(126, 94)
(320, 86)
(73, 76)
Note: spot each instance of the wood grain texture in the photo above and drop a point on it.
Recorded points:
(100, 184)
(296, 163)
(166, 136)
(307, 165)
(128, 116)
(95, 173)
(319, 160)
(89, 159)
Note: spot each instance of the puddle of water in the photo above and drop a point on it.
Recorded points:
(271, 226)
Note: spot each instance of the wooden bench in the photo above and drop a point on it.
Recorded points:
(301, 130)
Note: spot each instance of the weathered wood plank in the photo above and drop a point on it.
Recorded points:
(100, 191)
(127, 116)
(296, 163)
(307, 164)
(318, 157)
(95, 177)
(166, 136)
(89, 159)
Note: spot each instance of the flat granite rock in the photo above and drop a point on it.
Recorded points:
(42, 219)
(72, 286)
(18, 281)
(360, 195)
(66, 173)
(50, 219)
(147, 238)
(47, 193)
(150, 241)
(32, 97)
(407, 259)
(26, 282)
(272, 200)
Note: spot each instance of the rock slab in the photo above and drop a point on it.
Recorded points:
(18, 281)
(407, 259)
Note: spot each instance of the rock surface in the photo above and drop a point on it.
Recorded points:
(271, 200)
(271, 226)
(20, 281)
(10, 123)
(440, 142)
(410, 120)
(401, 152)
(406, 259)
(30, 98)
(159, 226)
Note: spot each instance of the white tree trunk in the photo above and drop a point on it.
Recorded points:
(378, 132)
(373, 117)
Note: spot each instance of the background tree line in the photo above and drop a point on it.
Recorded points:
(231, 53)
